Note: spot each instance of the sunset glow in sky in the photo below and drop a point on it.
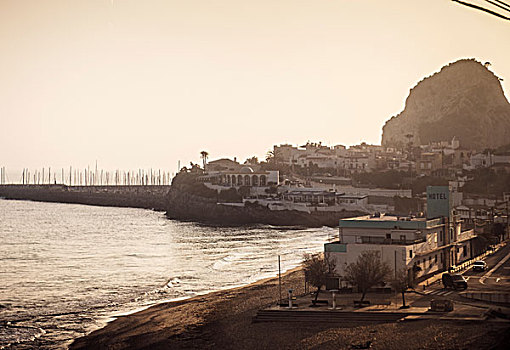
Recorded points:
(137, 84)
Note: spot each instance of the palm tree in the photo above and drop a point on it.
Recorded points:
(270, 156)
(204, 156)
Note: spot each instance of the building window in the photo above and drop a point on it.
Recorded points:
(411, 253)
(465, 250)
(435, 259)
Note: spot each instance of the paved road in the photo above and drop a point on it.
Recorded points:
(497, 277)
(498, 280)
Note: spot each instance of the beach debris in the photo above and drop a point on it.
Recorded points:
(363, 345)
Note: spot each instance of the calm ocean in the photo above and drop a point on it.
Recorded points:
(65, 269)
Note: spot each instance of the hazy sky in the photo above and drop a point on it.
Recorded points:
(138, 84)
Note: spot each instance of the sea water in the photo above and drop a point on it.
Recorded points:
(65, 269)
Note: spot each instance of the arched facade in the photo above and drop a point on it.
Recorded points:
(258, 179)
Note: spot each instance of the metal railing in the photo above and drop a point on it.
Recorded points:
(380, 240)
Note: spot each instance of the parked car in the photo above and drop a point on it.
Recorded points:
(454, 281)
(480, 265)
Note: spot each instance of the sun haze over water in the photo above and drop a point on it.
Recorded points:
(136, 84)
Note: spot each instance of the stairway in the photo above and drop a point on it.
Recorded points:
(327, 316)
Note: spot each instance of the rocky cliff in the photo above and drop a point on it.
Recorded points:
(182, 205)
(191, 201)
(464, 100)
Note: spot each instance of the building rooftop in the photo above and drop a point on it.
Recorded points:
(390, 221)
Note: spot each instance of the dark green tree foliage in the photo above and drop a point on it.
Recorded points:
(420, 184)
(252, 160)
(230, 196)
(383, 179)
(367, 272)
(498, 230)
(317, 269)
(488, 181)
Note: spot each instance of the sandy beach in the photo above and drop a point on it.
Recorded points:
(223, 320)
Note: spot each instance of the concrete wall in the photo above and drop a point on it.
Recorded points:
(397, 256)
(493, 297)
(148, 197)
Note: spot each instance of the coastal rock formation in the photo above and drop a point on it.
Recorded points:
(464, 100)
(192, 201)
(185, 206)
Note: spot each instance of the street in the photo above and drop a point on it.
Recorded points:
(495, 279)
(497, 275)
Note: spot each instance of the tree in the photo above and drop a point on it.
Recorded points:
(498, 230)
(270, 157)
(204, 156)
(317, 269)
(252, 161)
(401, 284)
(367, 271)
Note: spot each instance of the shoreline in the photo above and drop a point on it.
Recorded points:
(223, 320)
(115, 316)
(115, 331)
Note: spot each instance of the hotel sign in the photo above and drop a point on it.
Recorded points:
(438, 201)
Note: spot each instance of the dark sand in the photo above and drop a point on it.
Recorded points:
(223, 320)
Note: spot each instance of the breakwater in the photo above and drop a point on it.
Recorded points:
(147, 197)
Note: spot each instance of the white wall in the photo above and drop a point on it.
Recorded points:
(395, 255)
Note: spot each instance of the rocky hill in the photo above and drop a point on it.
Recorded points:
(189, 200)
(464, 100)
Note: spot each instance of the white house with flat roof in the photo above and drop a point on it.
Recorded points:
(423, 245)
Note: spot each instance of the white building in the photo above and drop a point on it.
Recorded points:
(358, 158)
(420, 246)
(486, 160)
(244, 176)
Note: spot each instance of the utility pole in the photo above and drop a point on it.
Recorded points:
(279, 282)
(395, 251)
(507, 217)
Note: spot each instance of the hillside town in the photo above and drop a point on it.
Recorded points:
(429, 222)
(371, 178)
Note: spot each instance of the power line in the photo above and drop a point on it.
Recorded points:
(502, 3)
(501, 7)
(482, 9)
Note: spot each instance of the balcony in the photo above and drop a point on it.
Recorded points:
(466, 235)
(382, 240)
